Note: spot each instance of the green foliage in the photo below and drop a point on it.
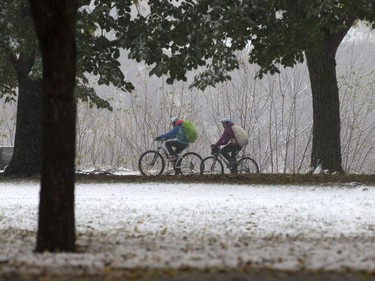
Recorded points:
(16, 37)
(8, 78)
(87, 94)
(180, 38)
(205, 34)
(15, 22)
(97, 45)
(97, 50)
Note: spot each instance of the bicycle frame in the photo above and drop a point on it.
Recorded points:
(217, 163)
(223, 159)
(186, 163)
(177, 164)
(161, 146)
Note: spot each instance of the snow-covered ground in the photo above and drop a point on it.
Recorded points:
(199, 225)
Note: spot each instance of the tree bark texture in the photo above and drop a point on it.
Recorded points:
(55, 27)
(326, 145)
(27, 155)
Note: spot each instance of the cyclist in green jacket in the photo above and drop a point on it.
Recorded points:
(179, 143)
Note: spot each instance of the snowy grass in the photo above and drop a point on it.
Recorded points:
(198, 225)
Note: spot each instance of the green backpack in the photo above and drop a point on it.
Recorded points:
(191, 133)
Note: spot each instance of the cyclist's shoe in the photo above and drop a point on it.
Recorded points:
(233, 165)
(233, 170)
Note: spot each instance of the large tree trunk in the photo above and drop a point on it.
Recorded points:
(55, 27)
(326, 145)
(27, 154)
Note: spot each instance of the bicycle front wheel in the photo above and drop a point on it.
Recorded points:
(189, 164)
(151, 163)
(211, 166)
(247, 165)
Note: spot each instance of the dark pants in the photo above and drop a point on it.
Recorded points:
(229, 152)
(178, 147)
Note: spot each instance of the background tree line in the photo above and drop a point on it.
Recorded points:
(276, 111)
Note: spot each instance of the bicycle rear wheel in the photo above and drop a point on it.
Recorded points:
(247, 165)
(151, 163)
(189, 164)
(211, 166)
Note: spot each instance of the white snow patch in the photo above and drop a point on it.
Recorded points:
(199, 225)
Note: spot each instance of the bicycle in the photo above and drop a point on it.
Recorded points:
(214, 164)
(152, 162)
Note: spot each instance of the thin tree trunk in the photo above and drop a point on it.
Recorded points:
(55, 27)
